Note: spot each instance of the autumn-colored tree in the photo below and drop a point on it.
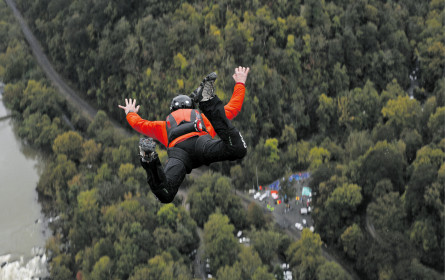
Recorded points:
(70, 144)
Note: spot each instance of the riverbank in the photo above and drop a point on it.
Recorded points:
(23, 227)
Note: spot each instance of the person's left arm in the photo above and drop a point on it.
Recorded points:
(236, 102)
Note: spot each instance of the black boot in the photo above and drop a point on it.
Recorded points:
(147, 149)
(205, 91)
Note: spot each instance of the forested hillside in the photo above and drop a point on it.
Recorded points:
(328, 92)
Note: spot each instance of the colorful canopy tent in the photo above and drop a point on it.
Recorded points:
(299, 176)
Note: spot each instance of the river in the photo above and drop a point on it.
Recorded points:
(23, 228)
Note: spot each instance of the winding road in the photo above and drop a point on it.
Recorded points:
(70, 94)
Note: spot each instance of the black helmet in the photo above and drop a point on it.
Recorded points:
(181, 102)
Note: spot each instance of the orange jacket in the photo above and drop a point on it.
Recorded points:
(158, 131)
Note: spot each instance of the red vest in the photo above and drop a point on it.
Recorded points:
(183, 124)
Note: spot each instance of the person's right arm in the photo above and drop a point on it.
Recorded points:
(152, 129)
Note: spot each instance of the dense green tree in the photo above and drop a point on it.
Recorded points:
(357, 144)
(387, 213)
(303, 152)
(221, 246)
(16, 60)
(162, 267)
(331, 270)
(237, 175)
(249, 262)
(381, 161)
(86, 219)
(421, 179)
(102, 269)
(211, 191)
(359, 108)
(228, 273)
(326, 112)
(262, 274)
(101, 129)
(118, 218)
(340, 79)
(318, 156)
(53, 181)
(255, 216)
(343, 202)
(40, 131)
(402, 112)
(37, 97)
(413, 141)
(351, 239)
(13, 94)
(305, 255)
(435, 124)
(266, 243)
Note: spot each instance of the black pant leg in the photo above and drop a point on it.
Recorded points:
(214, 111)
(164, 183)
(231, 146)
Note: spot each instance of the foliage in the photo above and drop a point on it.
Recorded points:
(212, 191)
(305, 255)
(334, 73)
(220, 243)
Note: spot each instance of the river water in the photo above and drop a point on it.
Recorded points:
(23, 228)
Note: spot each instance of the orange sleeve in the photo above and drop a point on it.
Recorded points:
(236, 102)
(153, 129)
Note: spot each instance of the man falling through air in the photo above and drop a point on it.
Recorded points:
(188, 134)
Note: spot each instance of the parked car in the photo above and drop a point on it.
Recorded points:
(303, 211)
(257, 195)
(312, 229)
(287, 275)
(299, 226)
(263, 196)
(208, 265)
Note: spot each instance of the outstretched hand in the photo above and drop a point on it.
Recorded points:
(130, 106)
(240, 75)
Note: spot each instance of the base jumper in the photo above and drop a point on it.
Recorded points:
(188, 134)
